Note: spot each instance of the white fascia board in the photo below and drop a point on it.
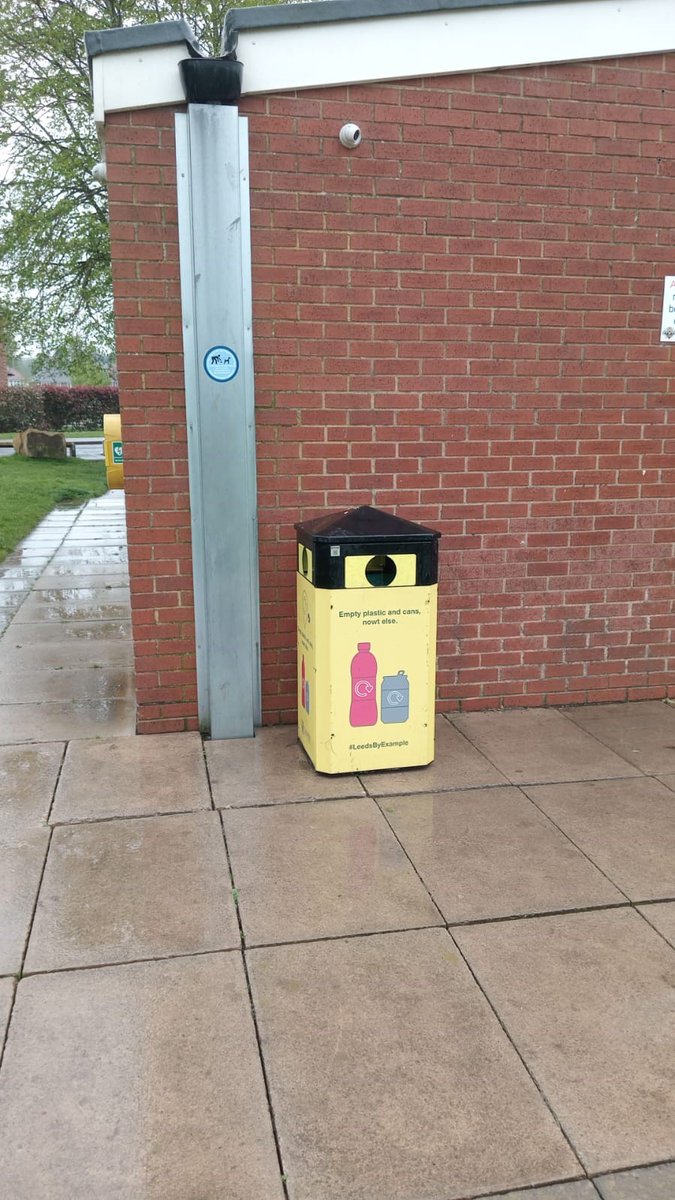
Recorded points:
(147, 77)
(283, 58)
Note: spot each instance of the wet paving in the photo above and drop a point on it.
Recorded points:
(453, 981)
(66, 658)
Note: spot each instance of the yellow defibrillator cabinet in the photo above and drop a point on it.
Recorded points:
(113, 450)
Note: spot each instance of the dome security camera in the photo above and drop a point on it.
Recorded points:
(350, 136)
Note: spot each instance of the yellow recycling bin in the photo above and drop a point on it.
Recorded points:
(113, 450)
(367, 599)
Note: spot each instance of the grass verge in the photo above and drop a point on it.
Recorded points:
(32, 487)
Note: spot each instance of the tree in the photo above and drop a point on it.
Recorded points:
(54, 254)
(78, 360)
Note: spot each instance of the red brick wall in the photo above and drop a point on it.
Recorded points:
(140, 154)
(460, 320)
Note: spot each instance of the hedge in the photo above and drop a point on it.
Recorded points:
(48, 406)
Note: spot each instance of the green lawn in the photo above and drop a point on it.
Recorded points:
(31, 487)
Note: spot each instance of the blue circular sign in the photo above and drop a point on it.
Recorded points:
(221, 363)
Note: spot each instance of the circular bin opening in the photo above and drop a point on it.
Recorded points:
(305, 561)
(380, 571)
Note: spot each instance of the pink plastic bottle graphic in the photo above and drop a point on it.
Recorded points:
(363, 708)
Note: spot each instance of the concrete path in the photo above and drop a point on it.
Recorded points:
(66, 662)
(228, 978)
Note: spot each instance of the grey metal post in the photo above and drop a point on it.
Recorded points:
(215, 268)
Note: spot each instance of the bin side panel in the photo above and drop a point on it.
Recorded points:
(307, 685)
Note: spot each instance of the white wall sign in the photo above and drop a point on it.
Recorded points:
(668, 314)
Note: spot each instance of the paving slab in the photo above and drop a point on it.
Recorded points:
(271, 768)
(57, 721)
(136, 1081)
(6, 997)
(81, 684)
(19, 577)
(59, 612)
(390, 1077)
(539, 746)
(63, 593)
(28, 777)
(67, 632)
(644, 1183)
(28, 558)
(149, 887)
(667, 780)
(587, 998)
(662, 917)
(154, 773)
(643, 734)
(42, 541)
(76, 571)
(490, 853)
(13, 597)
(91, 538)
(67, 652)
(626, 826)
(322, 869)
(457, 764)
(582, 1189)
(21, 863)
(91, 554)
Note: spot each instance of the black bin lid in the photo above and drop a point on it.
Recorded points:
(365, 525)
(364, 530)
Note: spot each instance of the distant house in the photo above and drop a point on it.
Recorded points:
(20, 372)
(15, 377)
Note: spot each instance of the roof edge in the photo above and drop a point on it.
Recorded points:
(141, 37)
(315, 12)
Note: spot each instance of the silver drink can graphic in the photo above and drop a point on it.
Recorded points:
(395, 699)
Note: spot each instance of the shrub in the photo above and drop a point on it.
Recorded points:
(21, 407)
(47, 406)
(78, 407)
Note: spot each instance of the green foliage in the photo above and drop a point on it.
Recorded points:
(54, 252)
(82, 362)
(31, 487)
(50, 406)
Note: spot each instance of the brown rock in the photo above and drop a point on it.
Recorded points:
(37, 443)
